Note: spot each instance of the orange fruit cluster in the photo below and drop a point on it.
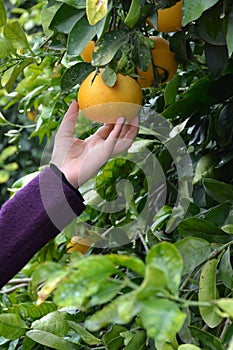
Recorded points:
(102, 103)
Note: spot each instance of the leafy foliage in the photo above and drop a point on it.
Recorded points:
(159, 275)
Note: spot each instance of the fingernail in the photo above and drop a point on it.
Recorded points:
(121, 120)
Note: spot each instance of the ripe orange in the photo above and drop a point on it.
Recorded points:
(102, 103)
(79, 244)
(88, 51)
(170, 19)
(165, 64)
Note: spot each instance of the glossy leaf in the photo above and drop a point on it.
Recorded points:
(54, 322)
(65, 18)
(225, 269)
(12, 326)
(87, 337)
(80, 35)
(134, 13)
(192, 11)
(108, 47)
(137, 341)
(131, 262)
(207, 339)
(50, 340)
(75, 75)
(230, 33)
(6, 47)
(96, 10)
(201, 228)
(205, 92)
(194, 251)
(113, 339)
(208, 292)
(15, 34)
(80, 4)
(166, 257)
(120, 310)
(188, 347)
(85, 282)
(218, 190)
(162, 319)
(2, 13)
(109, 76)
(225, 305)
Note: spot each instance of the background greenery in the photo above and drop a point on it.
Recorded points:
(168, 289)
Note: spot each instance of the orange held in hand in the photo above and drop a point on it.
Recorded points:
(102, 103)
(164, 61)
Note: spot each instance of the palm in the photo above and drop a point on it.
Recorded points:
(79, 159)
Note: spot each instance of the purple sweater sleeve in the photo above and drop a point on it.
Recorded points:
(32, 217)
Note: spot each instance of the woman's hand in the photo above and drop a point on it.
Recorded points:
(79, 160)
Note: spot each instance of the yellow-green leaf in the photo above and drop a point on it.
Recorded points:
(96, 10)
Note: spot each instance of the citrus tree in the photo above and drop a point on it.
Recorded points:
(148, 265)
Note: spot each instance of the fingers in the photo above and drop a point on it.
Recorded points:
(69, 121)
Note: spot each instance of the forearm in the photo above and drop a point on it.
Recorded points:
(35, 215)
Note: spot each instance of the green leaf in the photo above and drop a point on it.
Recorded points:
(208, 292)
(11, 166)
(205, 166)
(162, 319)
(219, 214)
(54, 322)
(229, 33)
(109, 76)
(65, 18)
(134, 13)
(105, 293)
(204, 92)
(138, 341)
(225, 269)
(153, 283)
(131, 262)
(87, 337)
(50, 340)
(209, 341)
(80, 35)
(32, 311)
(2, 13)
(171, 90)
(193, 10)
(7, 152)
(166, 257)
(82, 284)
(188, 347)
(15, 34)
(113, 338)
(4, 176)
(108, 47)
(218, 190)
(204, 229)
(12, 326)
(141, 52)
(194, 251)
(225, 305)
(96, 10)
(80, 4)
(216, 57)
(121, 310)
(75, 75)
(5, 47)
(15, 73)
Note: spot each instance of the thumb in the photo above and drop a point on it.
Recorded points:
(69, 121)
